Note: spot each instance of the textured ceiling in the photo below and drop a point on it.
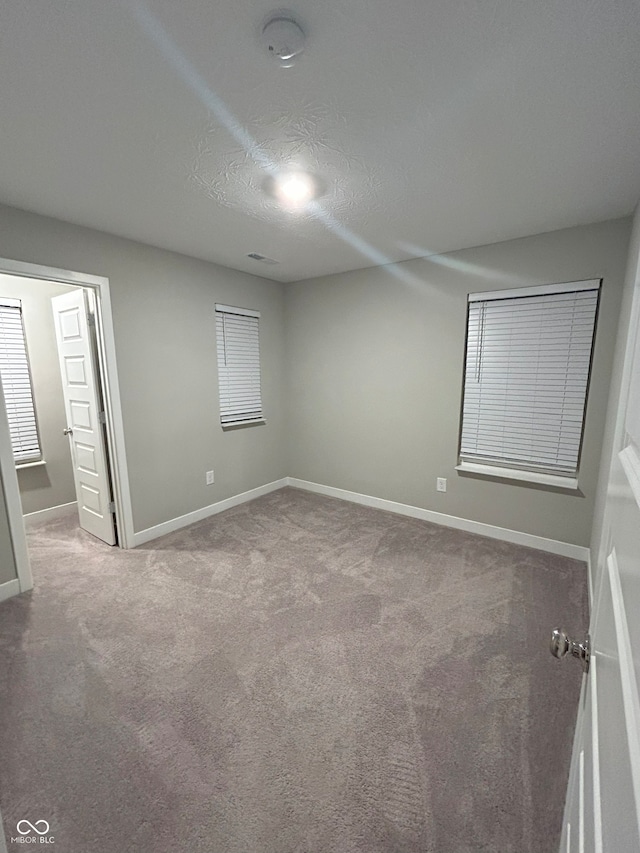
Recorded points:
(431, 125)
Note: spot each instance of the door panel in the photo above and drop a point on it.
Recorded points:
(607, 743)
(579, 831)
(592, 795)
(617, 802)
(82, 405)
(573, 841)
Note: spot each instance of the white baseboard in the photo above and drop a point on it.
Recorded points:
(563, 549)
(206, 511)
(32, 519)
(552, 546)
(9, 588)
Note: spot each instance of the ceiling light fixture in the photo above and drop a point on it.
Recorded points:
(292, 190)
(295, 188)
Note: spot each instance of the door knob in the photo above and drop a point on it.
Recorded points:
(67, 431)
(561, 644)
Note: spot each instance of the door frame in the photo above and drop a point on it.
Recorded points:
(99, 285)
(603, 570)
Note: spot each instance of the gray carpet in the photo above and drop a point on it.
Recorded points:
(295, 674)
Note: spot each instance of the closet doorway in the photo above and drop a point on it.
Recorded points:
(61, 437)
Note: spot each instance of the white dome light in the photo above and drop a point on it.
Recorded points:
(294, 189)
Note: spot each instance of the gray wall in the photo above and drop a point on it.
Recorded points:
(374, 368)
(163, 309)
(7, 559)
(375, 374)
(50, 484)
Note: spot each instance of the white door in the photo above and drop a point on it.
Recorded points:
(603, 802)
(84, 415)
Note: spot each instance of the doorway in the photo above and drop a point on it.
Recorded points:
(46, 491)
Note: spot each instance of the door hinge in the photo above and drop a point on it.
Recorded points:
(102, 417)
(91, 319)
(112, 506)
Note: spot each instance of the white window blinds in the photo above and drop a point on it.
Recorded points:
(526, 377)
(16, 383)
(238, 345)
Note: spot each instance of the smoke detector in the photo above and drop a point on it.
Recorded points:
(283, 38)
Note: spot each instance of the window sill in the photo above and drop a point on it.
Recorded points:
(20, 466)
(569, 484)
(237, 424)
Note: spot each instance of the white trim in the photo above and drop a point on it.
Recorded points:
(21, 466)
(33, 519)
(113, 409)
(26, 270)
(595, 756)
(229, 309)
(631, 466)
(630, 696)
(107, 356)
(10, 588)
(13, 503)
(199, 514)
(248, 422)
(552, 546)
(537, 290)
(568, 483)
(590, 588)
(573, 767)
(581, 802)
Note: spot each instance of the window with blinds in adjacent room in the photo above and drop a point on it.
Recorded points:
(528, 363)
(16, 384)
(238, 347)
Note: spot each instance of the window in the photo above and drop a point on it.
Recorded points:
(16, 384)
(238, 344)
(526, 380)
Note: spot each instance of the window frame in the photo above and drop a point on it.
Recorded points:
(239, 421)
(509, 469)
(35, 458)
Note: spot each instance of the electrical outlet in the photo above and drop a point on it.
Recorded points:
(210, 478)
(441, 484)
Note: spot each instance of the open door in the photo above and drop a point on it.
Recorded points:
(602, 811)
(85, 418)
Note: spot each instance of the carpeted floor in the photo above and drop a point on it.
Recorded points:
(295, 674)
